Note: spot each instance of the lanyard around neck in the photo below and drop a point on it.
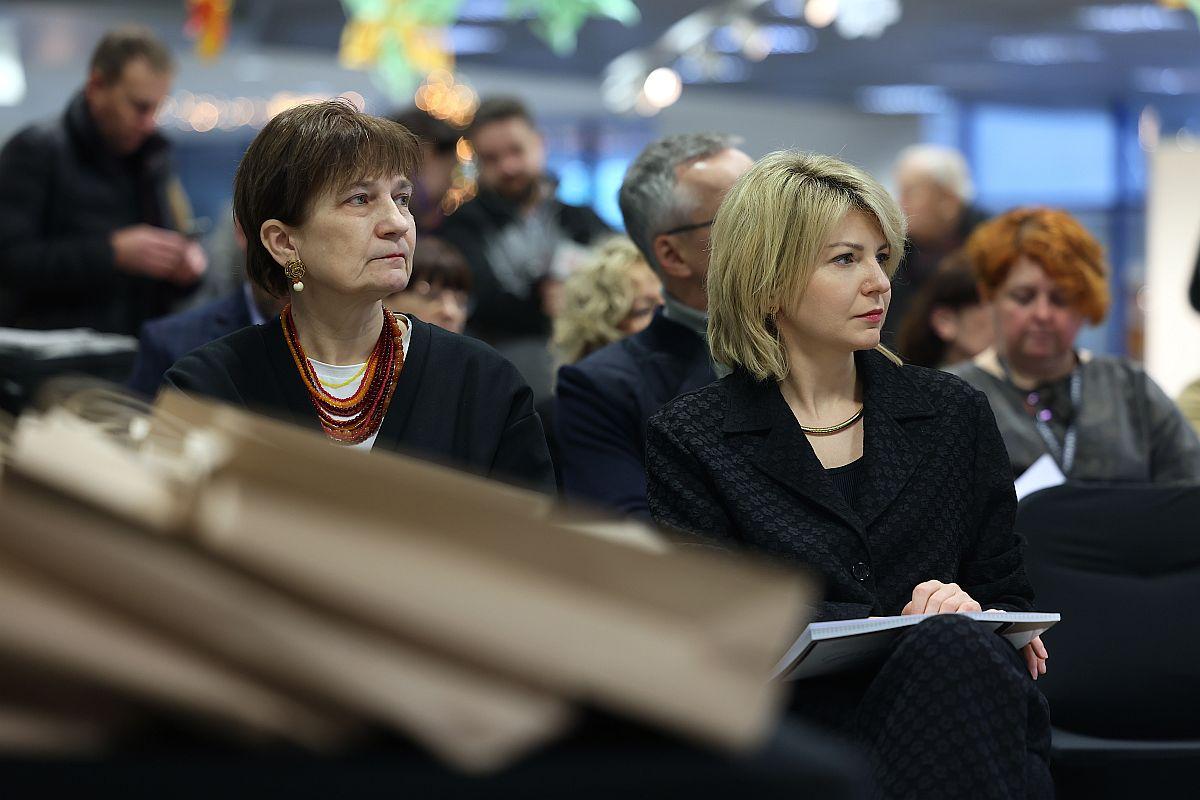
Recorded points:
(1064, 453)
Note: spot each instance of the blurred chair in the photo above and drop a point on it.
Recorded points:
(605, 758)
(1122, 565)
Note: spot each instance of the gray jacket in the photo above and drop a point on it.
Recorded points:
(1128, 429)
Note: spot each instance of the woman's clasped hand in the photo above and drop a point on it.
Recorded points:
(935, 597)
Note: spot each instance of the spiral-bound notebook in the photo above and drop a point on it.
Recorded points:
(828, 647)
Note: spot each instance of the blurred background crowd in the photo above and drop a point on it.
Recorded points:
(573, 156)
(1064, 104)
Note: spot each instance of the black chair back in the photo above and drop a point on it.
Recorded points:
(1121, 563)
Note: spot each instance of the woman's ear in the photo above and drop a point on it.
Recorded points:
(277, 238)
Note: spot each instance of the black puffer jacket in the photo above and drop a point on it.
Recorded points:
(61, 196)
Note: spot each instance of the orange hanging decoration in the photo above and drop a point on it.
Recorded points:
(208, 24)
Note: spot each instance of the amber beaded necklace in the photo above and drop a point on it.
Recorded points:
(356, 418)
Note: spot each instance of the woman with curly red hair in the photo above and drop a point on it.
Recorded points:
(1099, 418)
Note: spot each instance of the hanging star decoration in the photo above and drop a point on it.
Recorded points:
(1191, 5)
(557, 22)
(401, 40)
(208, 23)
(405, 40)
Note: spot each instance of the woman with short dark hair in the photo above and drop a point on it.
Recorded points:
(439, 289)
(947, 322)
(322, 194)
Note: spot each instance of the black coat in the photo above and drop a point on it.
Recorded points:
(603, 401)
(730, 463)
(457, 402)
(61, 196)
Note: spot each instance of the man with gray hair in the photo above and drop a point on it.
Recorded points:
(668, 201)
(933, 185)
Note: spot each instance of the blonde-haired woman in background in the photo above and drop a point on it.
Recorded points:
(889, 481)
(612, 296)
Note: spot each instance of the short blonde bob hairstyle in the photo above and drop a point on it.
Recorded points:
(596, 300)
(767, 241)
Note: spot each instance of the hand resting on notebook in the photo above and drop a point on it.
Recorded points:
(935, 597)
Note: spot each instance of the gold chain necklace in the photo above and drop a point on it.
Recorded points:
(841, 426)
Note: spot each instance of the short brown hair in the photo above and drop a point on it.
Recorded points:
(301, 154)
(438, 134)
(1054, 240)
(498, 109)
(440, 264)
(121, 45)
(952, 286)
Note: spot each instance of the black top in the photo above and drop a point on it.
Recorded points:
(730, 463)
(603, 402)
(457, 401)
(846, 479)
(62, 194)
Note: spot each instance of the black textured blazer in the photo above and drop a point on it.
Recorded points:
(457, 401)
(729, 462)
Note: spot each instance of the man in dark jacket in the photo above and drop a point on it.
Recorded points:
(519, 240)
(90, 211)
(668, 200)
(164, 341)
(933, 185)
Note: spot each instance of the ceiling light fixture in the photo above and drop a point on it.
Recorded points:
(1133, 18)
(1043, 50)
(662, 88)
(820, 13)
(903, 99)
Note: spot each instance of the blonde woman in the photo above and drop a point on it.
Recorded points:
(613, 296)
(890, 482)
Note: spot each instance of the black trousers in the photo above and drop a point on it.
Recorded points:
(952, 713)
